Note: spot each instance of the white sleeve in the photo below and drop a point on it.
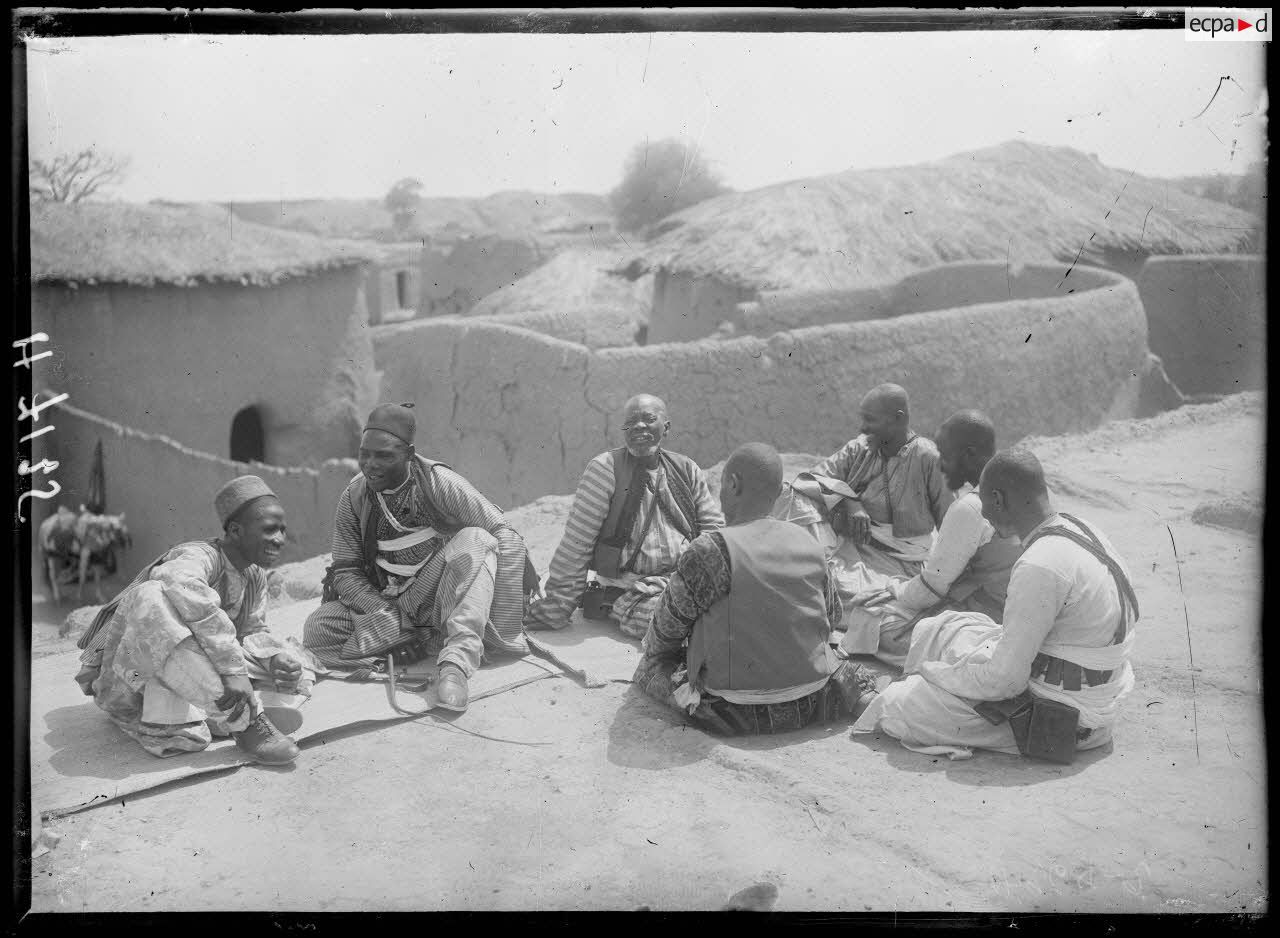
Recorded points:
(963, 531)
(1036, 596)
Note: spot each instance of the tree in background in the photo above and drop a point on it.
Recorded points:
(402, 202)
(74, 177)
(659, 179)
(1246, 190)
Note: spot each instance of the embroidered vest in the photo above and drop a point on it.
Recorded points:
(771, 631)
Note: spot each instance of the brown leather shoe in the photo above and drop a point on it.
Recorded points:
(265, 743)
(451, 689)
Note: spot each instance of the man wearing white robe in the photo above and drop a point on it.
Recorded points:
(967, 568)
(1067, 634)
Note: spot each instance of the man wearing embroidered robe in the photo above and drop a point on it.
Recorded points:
(967, 568)
(174, 658)
(754, 602)
(672, 504)
(878, 499)
(418, 551)
(1067, 636)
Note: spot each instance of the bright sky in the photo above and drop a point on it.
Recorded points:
(265, 117)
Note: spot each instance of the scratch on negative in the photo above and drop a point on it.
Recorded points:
(1144, 224)
(1195, 716)
(1073, 264)
(1225, 282)
(1008, 251)
(1214, 96)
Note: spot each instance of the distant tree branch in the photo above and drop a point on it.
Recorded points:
(75, 177)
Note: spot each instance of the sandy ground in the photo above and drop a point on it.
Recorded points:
(604, 800)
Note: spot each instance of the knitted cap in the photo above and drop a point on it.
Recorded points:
(236, 494)
(396, 419)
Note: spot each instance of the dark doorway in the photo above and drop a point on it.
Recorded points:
(402, 289)
(248, 439)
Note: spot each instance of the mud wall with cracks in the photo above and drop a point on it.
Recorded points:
(520, 414)
(947, 286)
(166, 489)
(1207, 319)
(592, 326)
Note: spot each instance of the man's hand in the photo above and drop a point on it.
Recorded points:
(532, 582)
(286, 670)
(851, 520)
(870, 599)
(238, 692)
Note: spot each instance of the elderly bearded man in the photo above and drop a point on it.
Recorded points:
(171, 658)
(417, 550)
(635, 509)
(754, 603)
(967, 568)
(1049, 680)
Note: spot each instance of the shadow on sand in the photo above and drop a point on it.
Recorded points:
(995, 769)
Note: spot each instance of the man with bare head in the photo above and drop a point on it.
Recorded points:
(755, 604)
(1049, 680)
(635, 509)
(419, 556)
(967, 568)
(874, 503)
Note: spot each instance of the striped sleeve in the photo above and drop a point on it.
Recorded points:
(568, 574)
(349, 580)
(256, 590)
(710, 516)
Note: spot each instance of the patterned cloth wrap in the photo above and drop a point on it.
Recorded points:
(836, 699)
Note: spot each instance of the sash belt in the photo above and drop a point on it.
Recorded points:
(1066, 674)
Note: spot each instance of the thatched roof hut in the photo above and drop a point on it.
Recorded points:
(144, 245)
(576, 278)
(174, 320)
(1021, 201)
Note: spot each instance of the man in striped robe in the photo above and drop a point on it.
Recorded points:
(674, 507)
(417, 550)
(173, 659)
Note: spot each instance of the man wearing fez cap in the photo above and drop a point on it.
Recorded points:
(418, 551)
(171, 658)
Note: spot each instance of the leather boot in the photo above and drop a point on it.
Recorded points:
(266, 744)
(451, 689)
(286, 720)
(856, 685)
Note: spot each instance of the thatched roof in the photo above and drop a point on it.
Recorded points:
(1023, 201)
(575, 279)
(112, 242)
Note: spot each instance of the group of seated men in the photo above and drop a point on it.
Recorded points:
(1013, 623)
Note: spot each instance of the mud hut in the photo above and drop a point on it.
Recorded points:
(453, 282)
(235, 339)
(393, 287)
(1016, 203)
(575, 296)
(1207, 319)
